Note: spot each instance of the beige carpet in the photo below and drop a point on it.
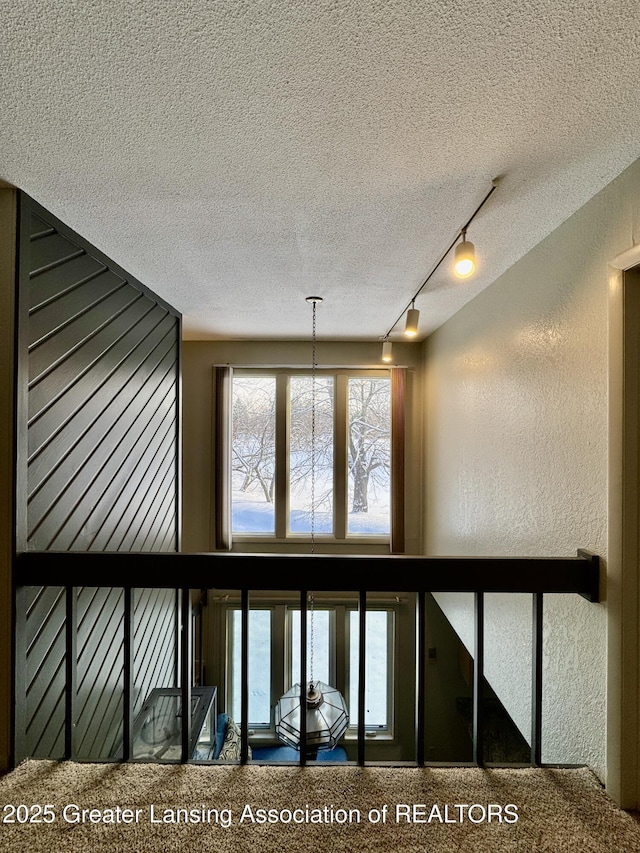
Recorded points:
(341, 809)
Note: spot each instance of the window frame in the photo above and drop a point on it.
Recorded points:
(340, 539)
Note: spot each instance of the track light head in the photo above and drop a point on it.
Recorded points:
(465, 258)
(411, 326)
(387, 355)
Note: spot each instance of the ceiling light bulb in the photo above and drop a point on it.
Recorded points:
(386, 351)
(411, 326)
(465, 259)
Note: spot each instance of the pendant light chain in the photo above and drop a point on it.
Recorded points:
(314, 363)
(313, 429)
(321, 707)
(313, 468)
(311, 602)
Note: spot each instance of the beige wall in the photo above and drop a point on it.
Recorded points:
(516, 450)
(198, 359)
(7, 289)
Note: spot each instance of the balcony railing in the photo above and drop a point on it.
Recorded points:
(419, 575)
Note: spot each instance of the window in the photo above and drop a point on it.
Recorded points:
(369, 457)
(378, 666)
(272, 490)
(253, 454)
(274, 660)
(301, 428)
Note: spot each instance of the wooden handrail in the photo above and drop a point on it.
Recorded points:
(579, 574)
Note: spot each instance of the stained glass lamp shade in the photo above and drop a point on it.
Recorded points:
(327, 716)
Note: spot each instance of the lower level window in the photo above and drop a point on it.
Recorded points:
(260, 645)
(377, 681)
(274, 660)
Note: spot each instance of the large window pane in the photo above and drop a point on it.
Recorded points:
(369, 456)
(300, 455)
(259, 666)
(253, 454)
(377, 670)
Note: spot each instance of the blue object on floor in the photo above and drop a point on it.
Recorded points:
(288, 753)
(221, 730)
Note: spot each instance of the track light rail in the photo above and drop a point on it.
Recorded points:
(463, 230)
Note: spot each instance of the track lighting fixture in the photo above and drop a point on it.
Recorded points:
(465, 257)
(464, 266)
(411, 326)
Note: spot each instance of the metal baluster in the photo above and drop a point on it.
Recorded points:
(478, 680)
(303, 676)
(536, 680)
(127, 687)
(244, 678)
(71, 656)
(362, 627)
(421, 677)
(185, 674)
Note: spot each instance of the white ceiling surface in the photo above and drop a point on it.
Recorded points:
(237, 157)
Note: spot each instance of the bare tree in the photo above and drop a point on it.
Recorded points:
(253, 445)
(369, 438)
(312, 454)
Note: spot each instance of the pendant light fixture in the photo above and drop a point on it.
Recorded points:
(387, 353)
(464, 266)
(325, 710)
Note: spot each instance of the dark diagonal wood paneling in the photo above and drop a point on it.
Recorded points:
(56, 314)
(89, 429)
(102, 401)
(99, 674)
(65, 357)
(45, 675)
(100, 405)
(52, 284)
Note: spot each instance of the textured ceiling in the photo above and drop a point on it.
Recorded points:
(239, 156)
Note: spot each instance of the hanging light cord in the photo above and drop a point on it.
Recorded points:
(463, 231)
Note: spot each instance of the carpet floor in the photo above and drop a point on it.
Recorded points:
(49, 807)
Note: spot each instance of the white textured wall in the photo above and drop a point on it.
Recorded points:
(516, 459)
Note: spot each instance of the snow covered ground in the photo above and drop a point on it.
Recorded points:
(251, 514)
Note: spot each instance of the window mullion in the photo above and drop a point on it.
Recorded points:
(340, 457)
(283, 416)
(398, 425)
